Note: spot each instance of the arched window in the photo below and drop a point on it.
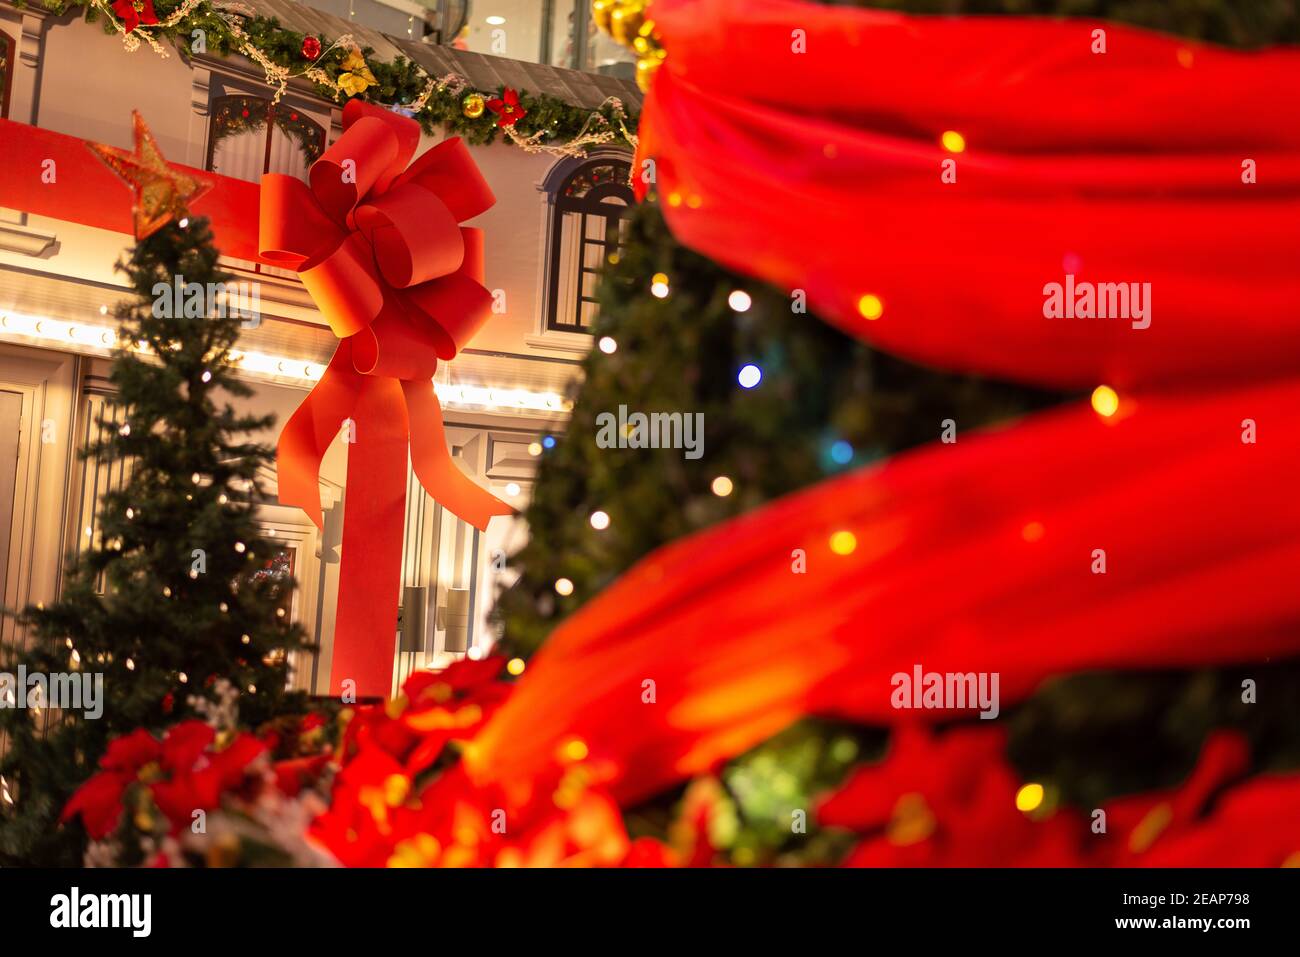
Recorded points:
(588, 225)
(250, 136)
(6, 73)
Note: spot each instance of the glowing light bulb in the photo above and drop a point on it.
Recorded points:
(843, 542)
(1105, 401)
(599, 520)
(871, 307)
(1029, 797)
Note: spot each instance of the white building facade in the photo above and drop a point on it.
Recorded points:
(554, 221)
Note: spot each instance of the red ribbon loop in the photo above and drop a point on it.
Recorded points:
(414, 235)
(379, 247)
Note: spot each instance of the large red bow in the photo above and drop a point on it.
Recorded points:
(379, 247)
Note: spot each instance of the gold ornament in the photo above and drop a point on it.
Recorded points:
(645, 71)
(161, 193)
(627, 23)
(473, 106)
(625, 20)
(600, 11)
(356, 76)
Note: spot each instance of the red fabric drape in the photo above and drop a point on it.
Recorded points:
(1123, 166)
(973, 557)
(822, 171)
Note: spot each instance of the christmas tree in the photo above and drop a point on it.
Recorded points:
(179, 596)
(680, 333)
(784, 401)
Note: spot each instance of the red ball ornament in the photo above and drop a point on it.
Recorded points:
(310, 48)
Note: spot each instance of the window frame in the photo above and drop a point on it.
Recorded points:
(214, 110)
(590, 205)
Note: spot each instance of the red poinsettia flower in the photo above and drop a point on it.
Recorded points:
(181, 773)
(647, 852)
(1253, 825)
(368, 812)
(293, 775)
(507, 108)
(131, 752)
(945, 801)
(132, 13)
(1143, 823)
(380, 816)
(435, 708)
(200, 777)
(99, 801)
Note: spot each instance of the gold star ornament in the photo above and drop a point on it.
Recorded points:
(161, 193)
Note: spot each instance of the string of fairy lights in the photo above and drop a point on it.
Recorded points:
(101, 339)
(1105, 400)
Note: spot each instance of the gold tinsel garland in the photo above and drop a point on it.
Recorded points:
(628, 23)
(358, 77)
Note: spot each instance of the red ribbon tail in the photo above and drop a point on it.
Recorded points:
(310, 430)
(440, 476)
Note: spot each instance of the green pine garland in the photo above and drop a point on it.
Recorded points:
(399, 83)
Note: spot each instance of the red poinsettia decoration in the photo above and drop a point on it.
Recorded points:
(182, 774)
(132, 13)
(435, 708)
(507, 108)
(947, 801)
(310, 48)
(385, 810)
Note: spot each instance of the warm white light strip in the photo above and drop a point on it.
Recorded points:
(103, 338)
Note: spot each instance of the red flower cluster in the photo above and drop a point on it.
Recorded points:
(390, 808)
(182, 773)
(952, 801)
(132, 13)
(507, 108)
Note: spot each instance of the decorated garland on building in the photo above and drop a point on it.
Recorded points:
(340, 69)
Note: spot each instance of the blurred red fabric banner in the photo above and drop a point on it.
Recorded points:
(823, 171)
